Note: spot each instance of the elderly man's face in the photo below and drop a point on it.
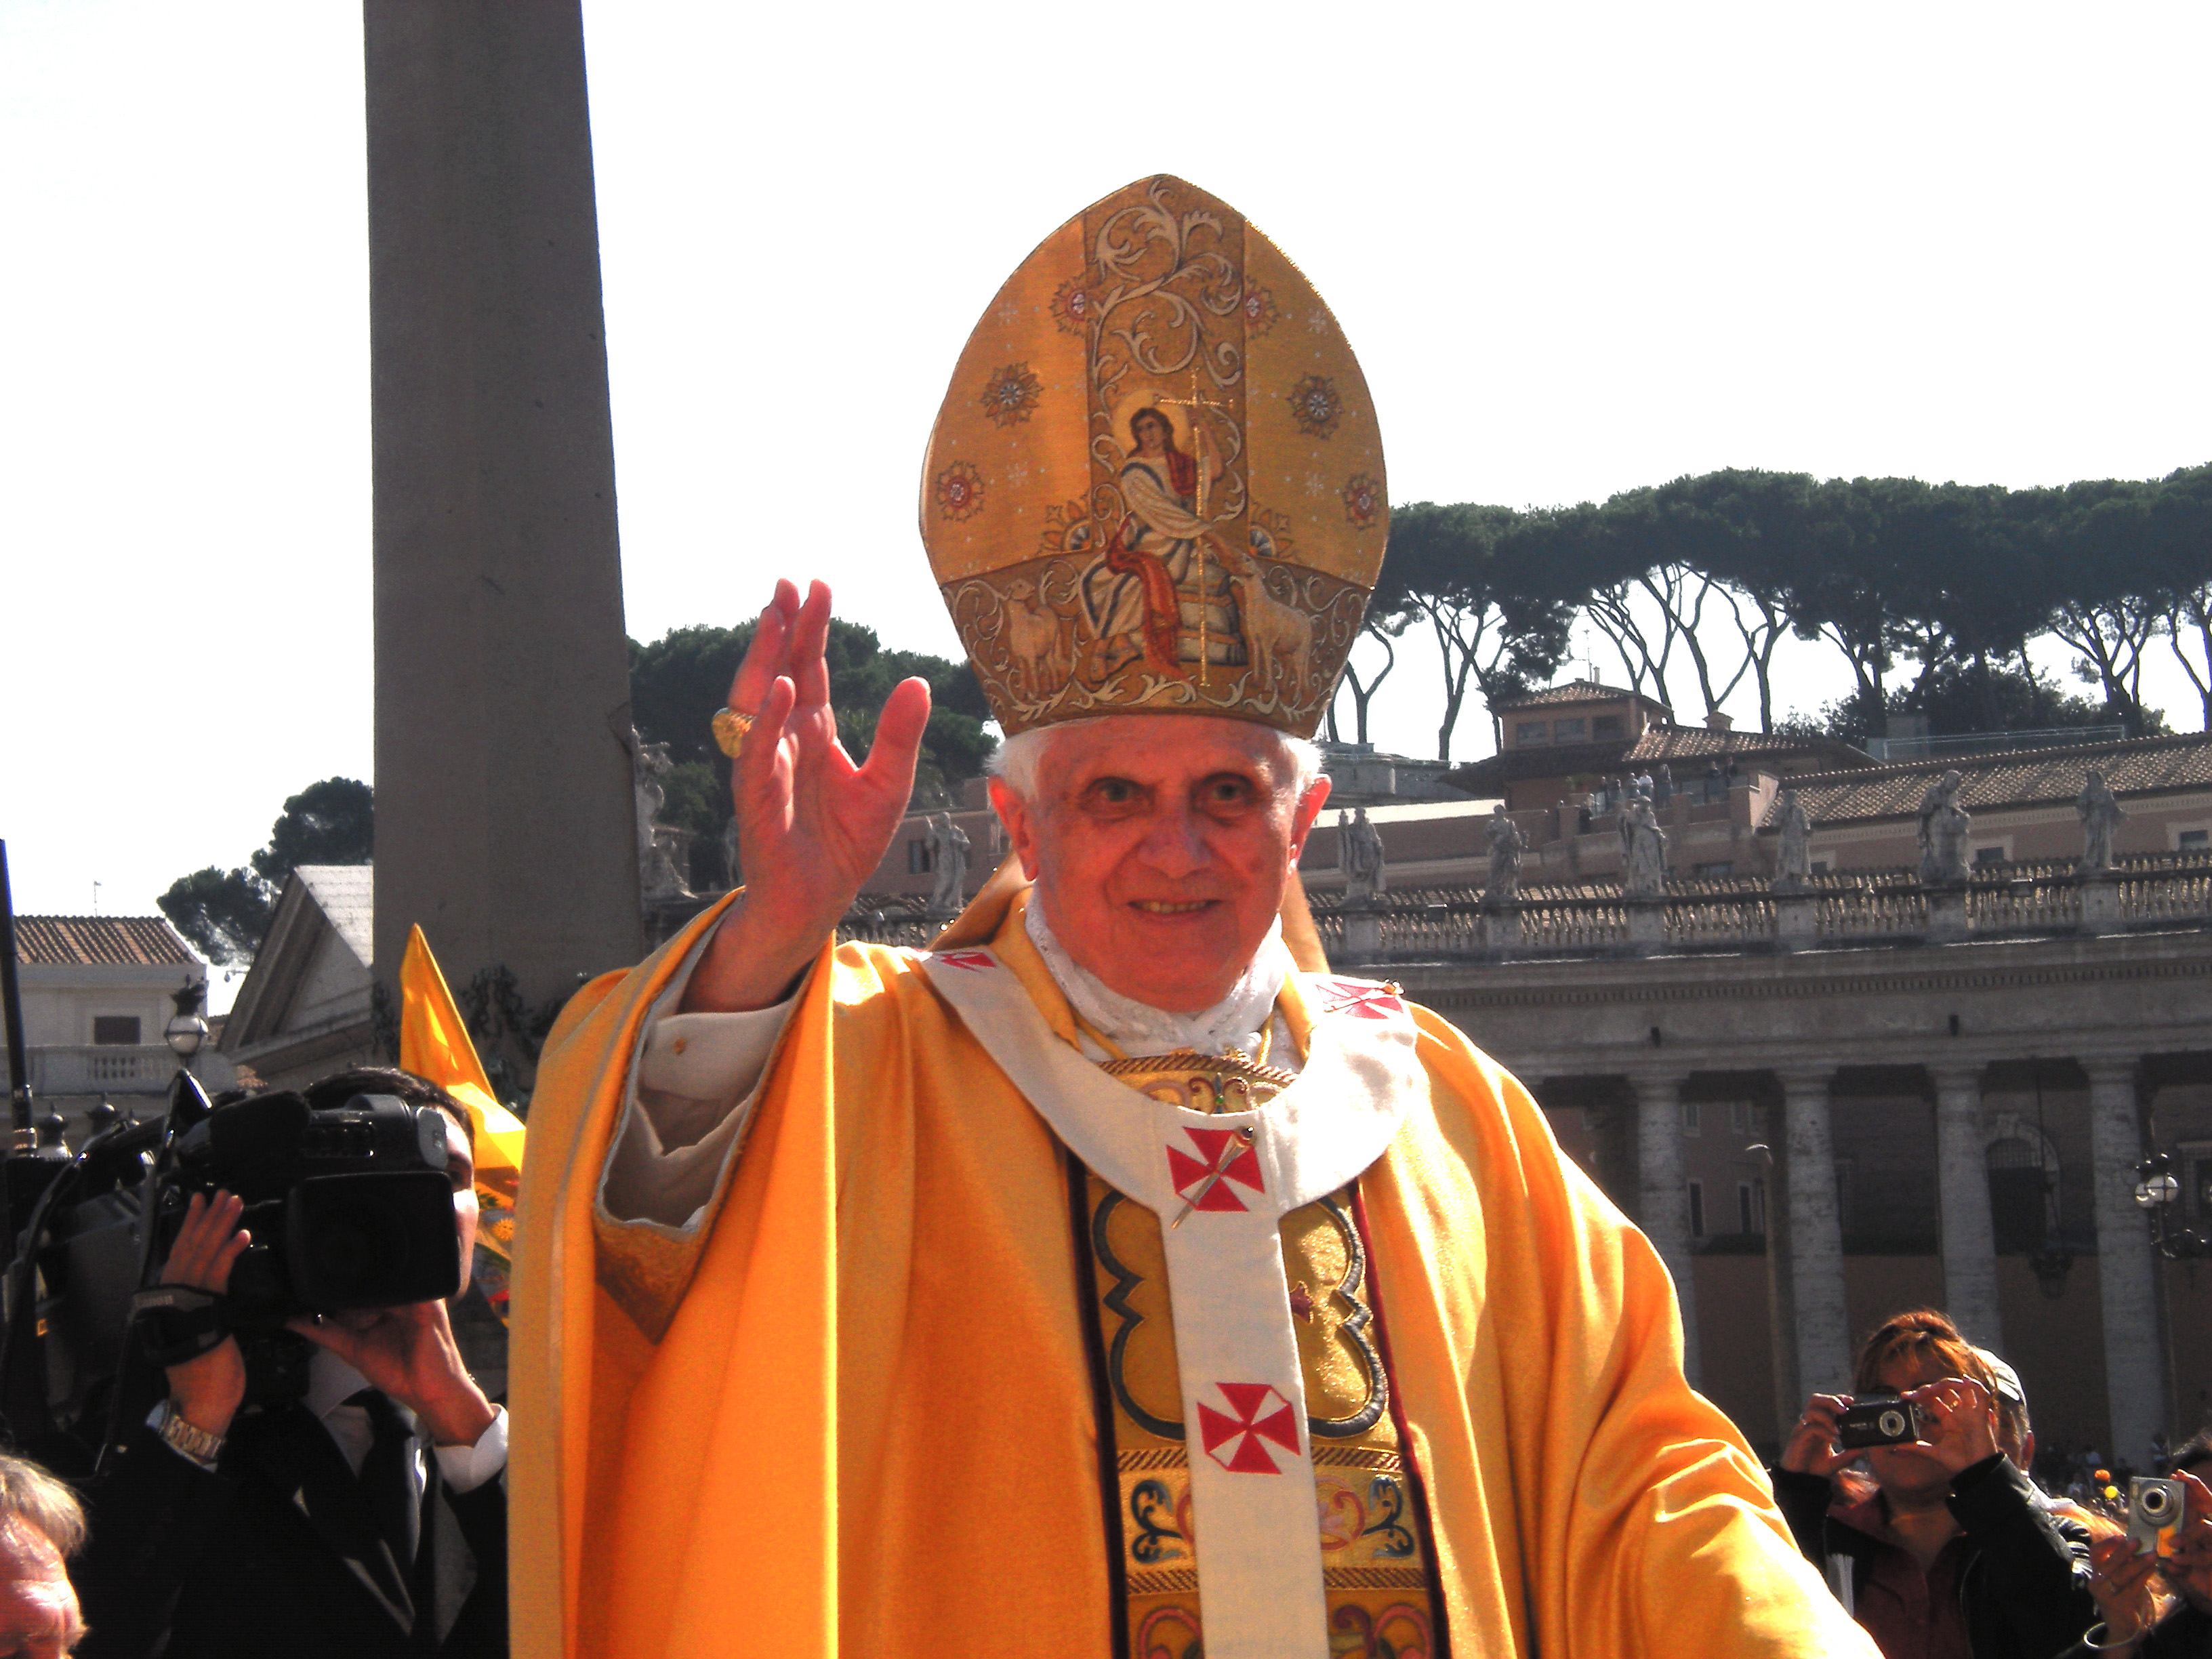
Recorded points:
(38, 1613)
(1161, 845)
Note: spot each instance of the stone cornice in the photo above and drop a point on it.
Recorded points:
(1772, 978)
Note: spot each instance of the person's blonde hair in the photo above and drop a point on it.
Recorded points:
(29, 1496)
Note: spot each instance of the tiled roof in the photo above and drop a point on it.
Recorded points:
(100, 942)
(1668, 743)
(346, 894)
(1487, 776)
(1575, 692)
(2133, 766)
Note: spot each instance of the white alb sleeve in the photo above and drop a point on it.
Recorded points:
(694, 1080)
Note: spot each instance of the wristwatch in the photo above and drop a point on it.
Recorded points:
(186, 1440)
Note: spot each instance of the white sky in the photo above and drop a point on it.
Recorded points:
(1578, 249)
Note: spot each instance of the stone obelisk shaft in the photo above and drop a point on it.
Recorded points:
(505, 822)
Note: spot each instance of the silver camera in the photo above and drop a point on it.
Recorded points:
(2156, 1508)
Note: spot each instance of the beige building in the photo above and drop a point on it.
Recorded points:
(97, 991)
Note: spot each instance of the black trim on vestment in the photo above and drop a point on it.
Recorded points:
(1102, 1403)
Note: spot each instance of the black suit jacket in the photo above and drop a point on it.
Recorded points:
(275, 1551)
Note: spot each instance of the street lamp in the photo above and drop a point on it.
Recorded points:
(2157, 1191)
(186, 1031)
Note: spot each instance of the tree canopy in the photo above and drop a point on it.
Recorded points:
(1693, 584)
(225, 912)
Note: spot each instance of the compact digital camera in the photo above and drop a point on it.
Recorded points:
(1878, 1422)
(2155, 1507)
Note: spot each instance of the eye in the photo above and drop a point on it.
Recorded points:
(1111, 794)
(1225, 791)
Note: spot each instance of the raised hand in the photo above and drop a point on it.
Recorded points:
(812, 825)
(207, 1391)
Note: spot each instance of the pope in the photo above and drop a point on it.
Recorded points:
(1111, 1278)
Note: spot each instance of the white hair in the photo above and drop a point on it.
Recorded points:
(1017, 760)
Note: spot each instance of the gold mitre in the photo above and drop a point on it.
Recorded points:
(1156, 484)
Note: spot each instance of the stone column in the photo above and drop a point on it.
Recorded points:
(1962, 1184)
(1816, 1238)
(1663, 1196)
(2126, 1271)
(505, 812)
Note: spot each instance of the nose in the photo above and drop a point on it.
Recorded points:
(1174, 845)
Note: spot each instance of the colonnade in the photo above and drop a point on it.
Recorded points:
(1810, 1250)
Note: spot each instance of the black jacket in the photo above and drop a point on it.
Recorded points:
(2024, 1586)
(225, 1562)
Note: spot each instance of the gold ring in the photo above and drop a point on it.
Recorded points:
(730, 729)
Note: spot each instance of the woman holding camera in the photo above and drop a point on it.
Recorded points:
(2126, 1578)
(1946, 1551)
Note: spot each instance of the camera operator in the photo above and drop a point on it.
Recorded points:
(2123, 1576)
(1947, 1551)
(365, 1519)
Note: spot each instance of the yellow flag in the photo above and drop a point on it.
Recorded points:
(434, 1043)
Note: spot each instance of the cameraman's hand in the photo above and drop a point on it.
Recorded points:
(206, 1391)
(409, 1354)
(1959, 1422)
(1812, 1448)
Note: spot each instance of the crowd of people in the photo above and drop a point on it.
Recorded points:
(1944, 1547)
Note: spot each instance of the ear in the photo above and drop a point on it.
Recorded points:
(1308, 808)
(1021, 828)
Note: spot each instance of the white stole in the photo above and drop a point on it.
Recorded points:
(1243, 1394)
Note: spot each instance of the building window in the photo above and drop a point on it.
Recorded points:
(1821, 866)
(2017, 1193)
(1987, 855)
(917, 858)
(115, 1028)
(1691, 1118)
(1697, 1209)
(1740, 1121)
(1750, 1214)
(2193, 840)
(2197, 1177)
(1725, 868)
(1530, 731)
(1568, 731)
(1608, 726)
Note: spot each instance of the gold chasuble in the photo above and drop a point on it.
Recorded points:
(857, 1407)
(982, 1350)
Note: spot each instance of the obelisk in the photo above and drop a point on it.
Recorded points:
(505, 822)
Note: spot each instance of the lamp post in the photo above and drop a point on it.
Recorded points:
(2157, 1193)
(185, 1033)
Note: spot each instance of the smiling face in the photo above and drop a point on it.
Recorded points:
(1161, 845)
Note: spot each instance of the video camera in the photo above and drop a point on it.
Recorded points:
(348, 1200)
(348, 1208)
